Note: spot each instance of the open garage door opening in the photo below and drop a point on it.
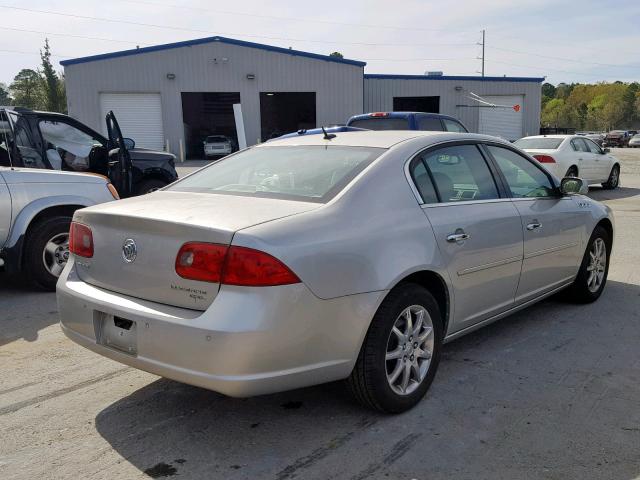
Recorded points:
(416, 104)
(206, 114)
(286, 112)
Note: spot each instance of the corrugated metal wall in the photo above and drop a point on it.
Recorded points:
(379, 93)
(338, 87)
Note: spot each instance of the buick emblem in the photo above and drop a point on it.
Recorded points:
(129, 250)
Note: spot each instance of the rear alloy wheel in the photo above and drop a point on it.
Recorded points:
(572, 172)
(47, 251)
(614, 178)
(592, 276)
(400, 354)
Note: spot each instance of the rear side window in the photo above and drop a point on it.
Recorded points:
(381, 123)
(423, 181)
(453, 126)
(459, 173)
(579, 145)
(430, 124)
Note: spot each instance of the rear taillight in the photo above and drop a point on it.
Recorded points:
(80, 240)
(248, 267)
(545, 158)
(210, 262)
(201, 261)
(379, 114)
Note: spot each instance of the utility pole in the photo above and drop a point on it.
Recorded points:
(481, 58)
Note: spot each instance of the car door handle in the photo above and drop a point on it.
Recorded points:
(534, 225)
(459, 236)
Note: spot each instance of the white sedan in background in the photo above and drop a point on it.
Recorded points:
(574, 156)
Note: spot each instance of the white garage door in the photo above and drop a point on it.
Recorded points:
(139, 116)
(503, 121)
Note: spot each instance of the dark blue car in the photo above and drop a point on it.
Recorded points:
(434, 122)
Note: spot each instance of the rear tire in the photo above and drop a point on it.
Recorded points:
(572, 171)
(586, 289)
(151, 185)
(47, 251)
(387, 351)
(614, 179)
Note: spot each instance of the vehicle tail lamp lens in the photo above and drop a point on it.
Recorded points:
(210, 262)
(201, 261)
(80, 240)
(544, 158)
(254, 268)
(379, 114)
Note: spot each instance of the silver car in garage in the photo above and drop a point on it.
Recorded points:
(312, 259)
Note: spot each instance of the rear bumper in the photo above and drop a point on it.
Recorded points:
(250, 341)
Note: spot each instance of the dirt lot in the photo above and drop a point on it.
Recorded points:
(552, 392)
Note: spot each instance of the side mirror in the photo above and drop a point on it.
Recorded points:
(573, 186)
(129, 143)
(605, 150)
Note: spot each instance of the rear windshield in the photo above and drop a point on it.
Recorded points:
(539, 143)
(381, 123)
(307, 173)
(217, 139)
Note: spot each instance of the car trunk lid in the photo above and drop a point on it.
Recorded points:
(159, 224)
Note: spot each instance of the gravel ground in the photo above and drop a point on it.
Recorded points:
(551, 392)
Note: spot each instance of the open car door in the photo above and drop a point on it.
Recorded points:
(119, 158)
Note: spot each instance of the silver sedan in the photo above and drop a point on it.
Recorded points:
(311, 259)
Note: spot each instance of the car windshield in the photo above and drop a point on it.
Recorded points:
(381, 123)
(539, 143)
(306, 173)
(216, 139)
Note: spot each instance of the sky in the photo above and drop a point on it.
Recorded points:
(570, 41)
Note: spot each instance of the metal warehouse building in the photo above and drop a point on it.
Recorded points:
(173, 96)
(507, 107)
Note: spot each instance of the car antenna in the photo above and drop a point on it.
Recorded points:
(328, 136)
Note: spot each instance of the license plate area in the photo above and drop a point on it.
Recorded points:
(116, 332)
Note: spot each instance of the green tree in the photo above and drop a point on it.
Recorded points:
(5, 98)
(52, 90)
(631, 113)
(27, 90)
(336, 54)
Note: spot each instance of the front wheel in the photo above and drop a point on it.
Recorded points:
(614, 179)
(401, 351)
(47, 251)
(592, 276)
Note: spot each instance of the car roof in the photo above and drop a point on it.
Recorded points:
(553, 136)
(378, 139)
(396, 114)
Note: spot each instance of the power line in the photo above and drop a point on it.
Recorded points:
(68, 35)
(565, 59)
(31, 53)
(295, 19)
(542, 68)
(209, 32)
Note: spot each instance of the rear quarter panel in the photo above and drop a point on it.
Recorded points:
(365, 240)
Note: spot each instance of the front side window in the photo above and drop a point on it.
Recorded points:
(430, 124)
(524, 179)
(67, 147)
(460, 173)
(453, 126)
(24, 142)
(305, 173)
